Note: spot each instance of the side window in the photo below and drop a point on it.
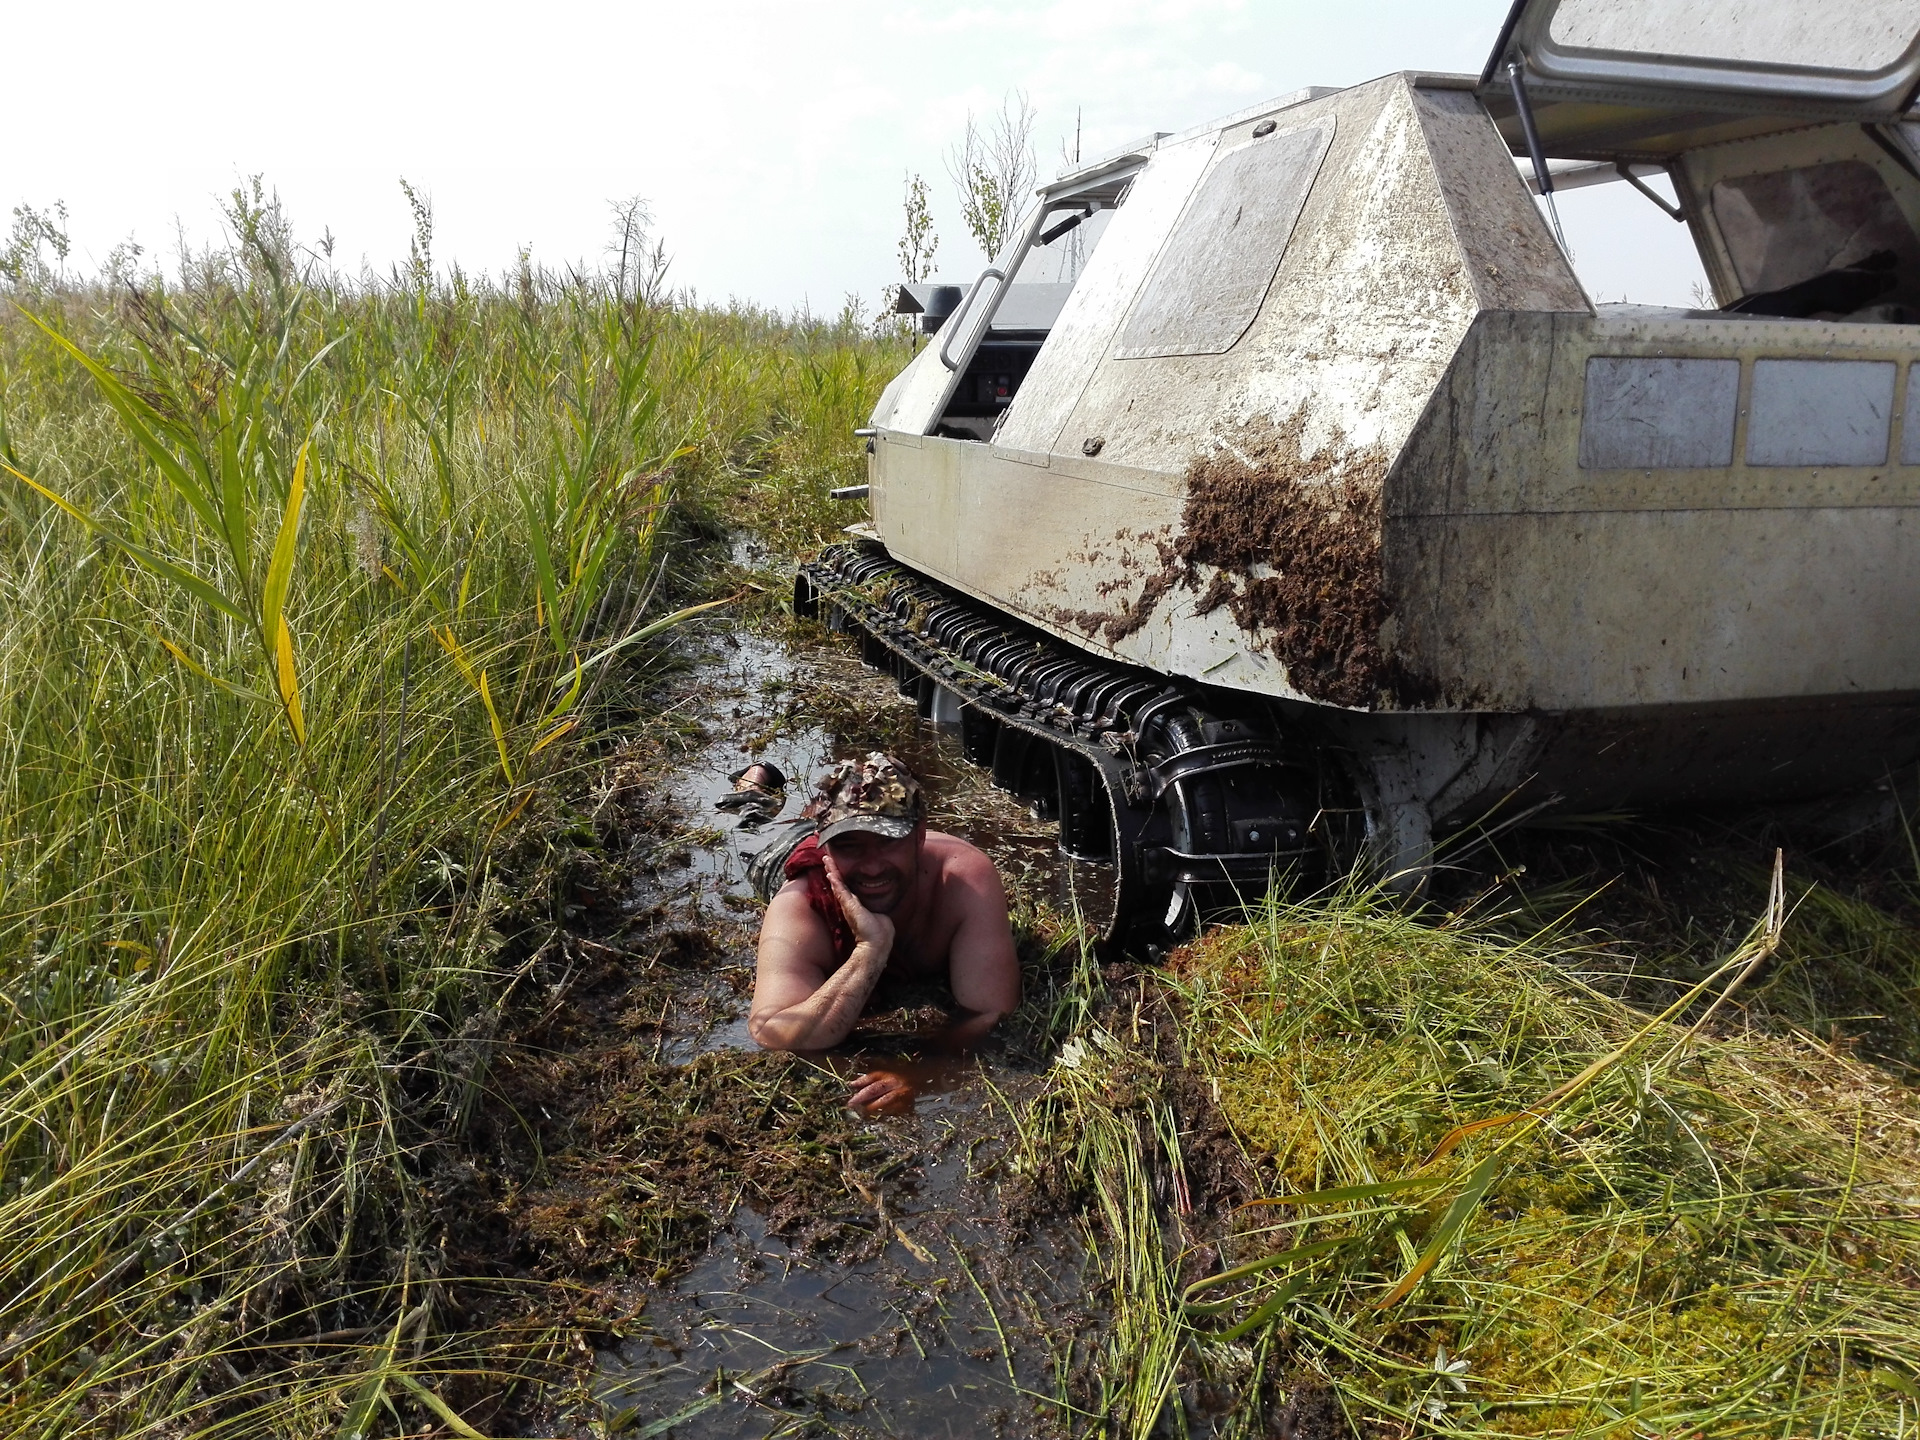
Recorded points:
(1215, 269)
(1650, 412)
(1831, 233)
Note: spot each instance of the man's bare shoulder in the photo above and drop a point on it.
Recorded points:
(792, 917)
(966, 874)
(960, 859)
(793, 929)
(790, 900)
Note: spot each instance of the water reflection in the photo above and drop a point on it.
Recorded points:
(887, 1074)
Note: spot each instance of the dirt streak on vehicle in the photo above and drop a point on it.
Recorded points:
(1289, 544)
(1293, 543)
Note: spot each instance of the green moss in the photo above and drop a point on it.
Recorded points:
(1688, 1246)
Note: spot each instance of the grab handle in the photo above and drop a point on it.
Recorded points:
(952, 327)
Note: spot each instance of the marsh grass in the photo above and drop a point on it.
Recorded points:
(322, 604)
(319, 600)
(1661, 897)
(1109, 1121)
(1486, 1196)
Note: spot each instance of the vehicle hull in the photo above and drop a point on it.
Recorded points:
(1329, 428)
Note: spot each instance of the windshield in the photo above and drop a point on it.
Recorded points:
(1788, 226)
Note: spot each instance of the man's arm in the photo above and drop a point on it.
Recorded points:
(984, 975)
(985, 970)
(800, 1002)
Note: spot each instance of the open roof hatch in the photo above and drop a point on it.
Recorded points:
(1643, 80)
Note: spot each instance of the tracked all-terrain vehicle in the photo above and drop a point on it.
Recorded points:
(1322, 510)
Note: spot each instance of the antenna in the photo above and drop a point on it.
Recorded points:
(1077, 245)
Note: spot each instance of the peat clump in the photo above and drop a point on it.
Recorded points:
(1289, 544)
(1294, 544)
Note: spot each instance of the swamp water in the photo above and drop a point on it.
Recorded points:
(960, 1310)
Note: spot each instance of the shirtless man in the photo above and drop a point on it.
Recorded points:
(872, 892)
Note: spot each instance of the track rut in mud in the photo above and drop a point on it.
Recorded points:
(750, 1256)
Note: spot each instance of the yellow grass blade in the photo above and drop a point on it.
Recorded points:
(1493, 1122)
(512, 815)
(194, 667)
(458, 652)
(499, 730)
(186, 660)
(273, 599)
(289, 681)
(466, 573)
(563, 728)
(273, 595)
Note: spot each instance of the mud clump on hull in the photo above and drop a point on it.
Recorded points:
(1289, 544)
(1294, 544)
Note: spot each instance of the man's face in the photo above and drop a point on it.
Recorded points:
(880, 872)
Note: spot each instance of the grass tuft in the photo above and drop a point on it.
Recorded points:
(1483, 1196)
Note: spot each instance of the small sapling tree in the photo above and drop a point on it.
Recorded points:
(918, 242)
(993, 170)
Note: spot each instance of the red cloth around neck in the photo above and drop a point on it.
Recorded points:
(808, 864)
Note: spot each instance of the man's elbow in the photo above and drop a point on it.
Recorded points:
(972, 1026)
(771, 1032)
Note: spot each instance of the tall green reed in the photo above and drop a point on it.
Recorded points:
(318, 597)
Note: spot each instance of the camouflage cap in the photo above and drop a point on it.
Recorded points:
(877, 794)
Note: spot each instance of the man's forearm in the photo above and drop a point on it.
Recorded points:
(827, 1016)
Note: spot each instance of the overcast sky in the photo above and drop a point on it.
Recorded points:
(770, 140)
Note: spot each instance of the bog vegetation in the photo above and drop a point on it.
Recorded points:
(318, 594)
(1483, 1195)
(323, 599)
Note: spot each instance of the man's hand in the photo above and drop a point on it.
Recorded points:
(803, 999)
(869, 929)
(883, 1092)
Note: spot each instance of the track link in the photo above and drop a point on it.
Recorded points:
(1197, 799)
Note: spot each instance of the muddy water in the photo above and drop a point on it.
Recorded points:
(753, 698)
(945, 1326)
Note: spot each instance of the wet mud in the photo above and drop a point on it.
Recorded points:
(948, 1321)
(748, 1257)
(1293, 543)
(1289, 545)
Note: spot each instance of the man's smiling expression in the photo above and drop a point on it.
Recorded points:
(880, 872)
